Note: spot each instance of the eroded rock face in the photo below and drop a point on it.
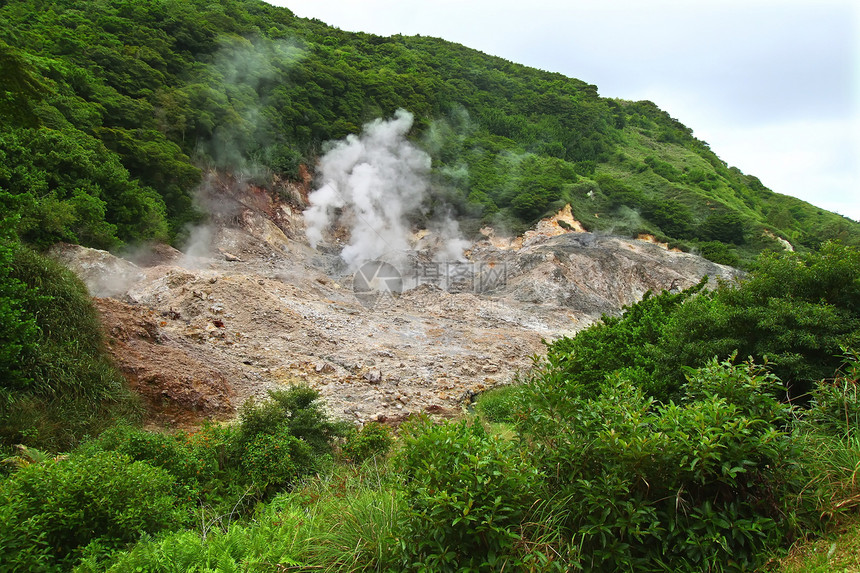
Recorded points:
(591, 274)
(177, 388)
(103, 273)
(198, 335)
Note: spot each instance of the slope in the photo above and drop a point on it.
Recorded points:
(121, 103)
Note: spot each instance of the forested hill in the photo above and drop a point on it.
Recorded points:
(113, 109)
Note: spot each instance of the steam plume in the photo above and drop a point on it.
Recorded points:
(372, 182)
(238, 76)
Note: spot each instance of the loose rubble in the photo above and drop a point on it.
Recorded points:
(258, 310)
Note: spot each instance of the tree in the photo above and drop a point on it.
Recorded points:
(725, 227)
(21, 87)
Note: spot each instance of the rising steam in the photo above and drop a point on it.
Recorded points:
(370, 184)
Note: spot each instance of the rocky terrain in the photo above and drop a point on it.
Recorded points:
(251, 307)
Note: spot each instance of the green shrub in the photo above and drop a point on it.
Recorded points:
(632, 341)
(467, 494)
(796, 310)
(54, 509)
(173, 453)
(297, 409)
(373, 439)
(752, 388)
(720, 253)
(706, 484)
(285, 437)
(793, 311)
(214, 445)
(277, 459)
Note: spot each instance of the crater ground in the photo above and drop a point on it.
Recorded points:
(252, 307)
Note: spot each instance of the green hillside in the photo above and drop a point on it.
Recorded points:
(111, 110)
(645, 443)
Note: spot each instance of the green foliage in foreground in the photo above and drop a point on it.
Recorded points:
(705, 484)
(467, 494)
(129, 482)
(719, 481)
(187, 460)
(53, 510)
(56, 382)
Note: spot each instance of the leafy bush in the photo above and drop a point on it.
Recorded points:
(54, 509)
(720, 253)
(298, 410)
(701, 485)
(467, 494)
(373, 439)
(277, 459)
(794, 311)
(285, 437)
(797, 310)
(633, 341)
(172, 453)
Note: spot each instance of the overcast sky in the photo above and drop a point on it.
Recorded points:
(772, 85)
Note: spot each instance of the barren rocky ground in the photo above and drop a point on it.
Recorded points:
(251, 307)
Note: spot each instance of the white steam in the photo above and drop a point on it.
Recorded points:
(371, 183)
(238, 77)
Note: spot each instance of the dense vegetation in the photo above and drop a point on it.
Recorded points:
(698, 431)
(647, 462)
(58, 385)
(112, 109)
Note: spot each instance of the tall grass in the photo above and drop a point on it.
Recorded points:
(347, 520)
(357, 513)
(833, 464)
(497, 404)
